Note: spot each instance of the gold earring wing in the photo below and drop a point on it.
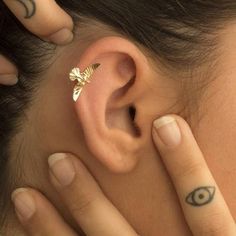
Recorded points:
(82, 79)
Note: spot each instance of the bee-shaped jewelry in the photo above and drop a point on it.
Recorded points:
(82, 78)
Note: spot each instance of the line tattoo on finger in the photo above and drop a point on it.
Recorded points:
(201, 196)
(29, 6)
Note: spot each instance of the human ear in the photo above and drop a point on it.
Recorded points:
(108, 107)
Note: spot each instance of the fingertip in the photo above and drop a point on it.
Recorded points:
(8, 72)
(62, 37)
(171, 131)
(62, 168)
(59, 31)
(24, 203)
(48, 20)
(8, 79)
(167, 132)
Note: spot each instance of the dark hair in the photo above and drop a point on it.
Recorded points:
(181, 34)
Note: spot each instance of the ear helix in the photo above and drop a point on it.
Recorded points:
(82, 78)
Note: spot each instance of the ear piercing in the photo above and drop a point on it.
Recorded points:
(82, 79)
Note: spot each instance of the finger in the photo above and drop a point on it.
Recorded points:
(204, 207)
(43, 18)
(37, 215)
(84, 199)
(8, 72)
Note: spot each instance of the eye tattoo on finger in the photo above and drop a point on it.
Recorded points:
(29, 6)
(201, 196)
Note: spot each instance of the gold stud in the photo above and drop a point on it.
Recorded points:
(82, 79)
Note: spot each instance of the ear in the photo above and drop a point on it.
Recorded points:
(108, 107)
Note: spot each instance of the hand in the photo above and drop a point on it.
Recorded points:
(35, 15)
(203, 205)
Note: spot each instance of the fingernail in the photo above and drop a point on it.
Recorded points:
(62, 168)
(62, 37)
(10, 79)
(168, 131)
(24, 204)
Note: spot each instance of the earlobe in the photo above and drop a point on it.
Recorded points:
(106, 109)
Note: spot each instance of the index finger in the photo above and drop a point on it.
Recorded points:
(43, 18)
(204, 207)
(85, 200)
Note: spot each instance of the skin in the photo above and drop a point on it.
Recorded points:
(213, 218)
(148, 179)
(59, 30)
(210, 150)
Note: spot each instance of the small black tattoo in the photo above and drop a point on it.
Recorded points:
(201, 196)
(30, 7)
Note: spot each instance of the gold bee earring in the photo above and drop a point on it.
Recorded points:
(82, 78)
